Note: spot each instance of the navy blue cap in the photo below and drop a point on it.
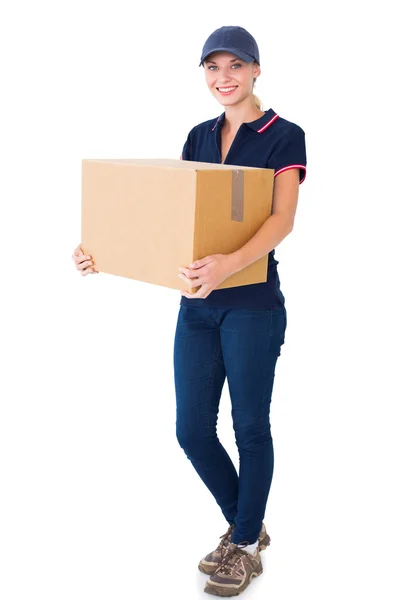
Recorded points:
(234, 39)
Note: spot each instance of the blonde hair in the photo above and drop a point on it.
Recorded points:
(257, 100)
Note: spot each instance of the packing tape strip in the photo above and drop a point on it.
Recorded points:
(237, 195)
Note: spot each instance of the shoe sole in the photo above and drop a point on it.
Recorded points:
(210, 569)
(215, 591)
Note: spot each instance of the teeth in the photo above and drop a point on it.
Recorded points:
(227, 89)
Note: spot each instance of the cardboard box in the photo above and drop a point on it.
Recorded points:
(144, 218)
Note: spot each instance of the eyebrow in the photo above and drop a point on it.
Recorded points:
(214, 63)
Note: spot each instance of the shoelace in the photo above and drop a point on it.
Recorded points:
(231, 558)
(224, 537)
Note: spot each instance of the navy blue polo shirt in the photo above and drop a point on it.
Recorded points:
(269, 142)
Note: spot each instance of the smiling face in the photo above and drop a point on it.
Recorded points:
(229, 78)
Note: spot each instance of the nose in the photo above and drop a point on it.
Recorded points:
(223, 77)
(224, 73)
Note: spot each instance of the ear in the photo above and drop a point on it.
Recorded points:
(256, 70)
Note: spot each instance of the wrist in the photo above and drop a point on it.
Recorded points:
(235, 262)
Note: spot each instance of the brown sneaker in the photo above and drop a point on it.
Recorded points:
(235, 572)
(211, 561)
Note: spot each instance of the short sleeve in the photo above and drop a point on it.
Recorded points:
(186, 149)
(290, 153)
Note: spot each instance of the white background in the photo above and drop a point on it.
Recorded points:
(98, 501)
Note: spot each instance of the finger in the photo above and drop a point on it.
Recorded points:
(191, 296)
(83, 265)
(78, 251)
(204, 291)
(88, 271)
(192, 283)
(78, 260)
(198, 272)
(201, 292)
(199, 264)
(184, 278)
(81, 259)
(184, 271)
(187, 272)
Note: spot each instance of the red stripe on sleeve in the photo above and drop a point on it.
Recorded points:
(293, 167)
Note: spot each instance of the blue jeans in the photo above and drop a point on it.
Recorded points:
(242, 345)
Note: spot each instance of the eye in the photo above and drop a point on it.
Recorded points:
(212, 67)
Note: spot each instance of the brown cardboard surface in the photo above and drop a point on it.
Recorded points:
(144, 218)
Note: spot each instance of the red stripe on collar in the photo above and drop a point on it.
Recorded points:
(216, 123)
(264, 127)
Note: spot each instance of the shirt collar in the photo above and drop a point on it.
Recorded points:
(260, 125)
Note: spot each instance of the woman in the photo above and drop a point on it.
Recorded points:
(234, 333)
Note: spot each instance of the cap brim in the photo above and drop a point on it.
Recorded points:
(242, 55)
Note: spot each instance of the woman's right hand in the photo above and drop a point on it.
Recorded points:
(83, 262)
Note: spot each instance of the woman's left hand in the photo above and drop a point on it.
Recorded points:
(208, 273)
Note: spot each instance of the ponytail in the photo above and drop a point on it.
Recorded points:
(257, 100)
